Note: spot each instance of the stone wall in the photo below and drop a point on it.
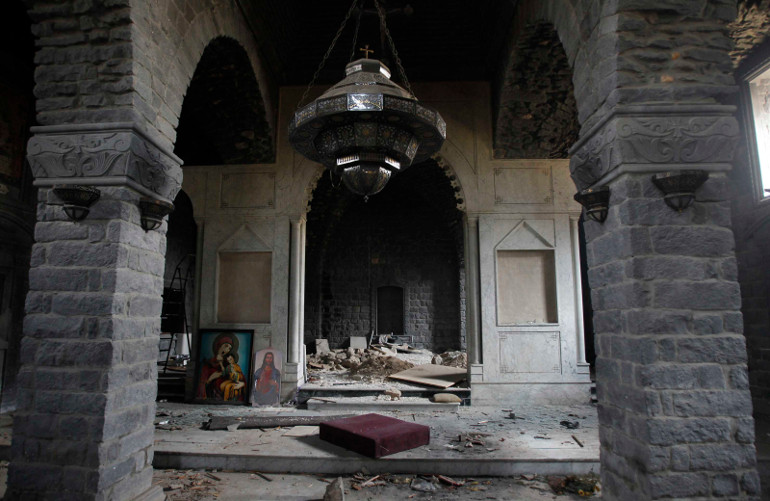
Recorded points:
(164, 66)
(630, 52)
(749, 30)
(396, 238)
(88, 377)
(121, 61)
(675, 408)
(538, 114)
(223, 116)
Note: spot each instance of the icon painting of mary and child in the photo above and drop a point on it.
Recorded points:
(221, 378)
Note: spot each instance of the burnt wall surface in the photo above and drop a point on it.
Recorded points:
(223, 116)
(408, 236)
(537, 115)
(749, 30)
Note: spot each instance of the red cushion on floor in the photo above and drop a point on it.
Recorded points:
(374, 435)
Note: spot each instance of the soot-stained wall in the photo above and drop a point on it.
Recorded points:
(410, 236)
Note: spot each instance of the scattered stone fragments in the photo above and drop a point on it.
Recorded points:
(446, 398)
(394, 394)
(452, 359)
(422, 485)
(582, 486)
(381, 366)
(335, 491)
(377, 360)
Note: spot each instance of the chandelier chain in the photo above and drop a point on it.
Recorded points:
(402, 73)
(328, 51)
(355, 35)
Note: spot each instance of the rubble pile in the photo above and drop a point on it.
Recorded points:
(380, 365)
(452, 359)
(369, 362)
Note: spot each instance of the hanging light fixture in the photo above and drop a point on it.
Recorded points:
(365, 128)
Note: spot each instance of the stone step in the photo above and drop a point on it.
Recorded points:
(352, 391)
(364, 405)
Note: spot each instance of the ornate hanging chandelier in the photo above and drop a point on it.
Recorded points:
(365, 128)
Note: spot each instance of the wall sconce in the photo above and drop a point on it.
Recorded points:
(679, 187)
(596, 201)
(153, 212)
(77, 199)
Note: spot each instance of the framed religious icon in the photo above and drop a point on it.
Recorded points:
(224, 366)
(266, 386)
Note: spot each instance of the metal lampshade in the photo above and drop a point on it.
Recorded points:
(679, 187)
(366, 127)
(596, 202)
(77, 199)
(153, 212)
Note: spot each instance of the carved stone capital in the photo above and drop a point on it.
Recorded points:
(115, 154)
(656, 138)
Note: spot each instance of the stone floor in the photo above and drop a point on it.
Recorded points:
(508, 442)
(521, 448)
(182, 485)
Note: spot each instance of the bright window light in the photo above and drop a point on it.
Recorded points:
(759, 90)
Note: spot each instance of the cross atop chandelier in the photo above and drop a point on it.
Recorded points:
(366, 128)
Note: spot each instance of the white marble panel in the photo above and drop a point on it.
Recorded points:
(530, 352)
(247, 190)
(521, 185)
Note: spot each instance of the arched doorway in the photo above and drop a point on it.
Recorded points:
(403, 245)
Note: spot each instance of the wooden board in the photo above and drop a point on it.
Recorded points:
(251, 422)
(440, 376)
(302, 431)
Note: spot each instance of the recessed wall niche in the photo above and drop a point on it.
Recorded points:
(526, 287)
(244, 287)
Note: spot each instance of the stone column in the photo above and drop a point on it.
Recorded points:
(583, 366)
(296, 280)
(303, 239)
(84, 425)
(473, 317)
(674, 404)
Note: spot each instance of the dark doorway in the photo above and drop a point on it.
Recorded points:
(390, 310)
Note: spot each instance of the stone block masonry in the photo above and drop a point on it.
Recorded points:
(675, 410)
(87, 384)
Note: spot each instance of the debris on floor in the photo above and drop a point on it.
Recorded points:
(452, 359)
(440, 376)
(252, 422)
(383, 366)
(335, 491)
(393, 394)
(446, 398)
(186, 485)
(422, 485)
(582, 486)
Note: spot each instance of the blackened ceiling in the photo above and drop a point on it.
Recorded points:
(448, 40)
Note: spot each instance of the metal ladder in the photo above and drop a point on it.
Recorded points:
(173, 317)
